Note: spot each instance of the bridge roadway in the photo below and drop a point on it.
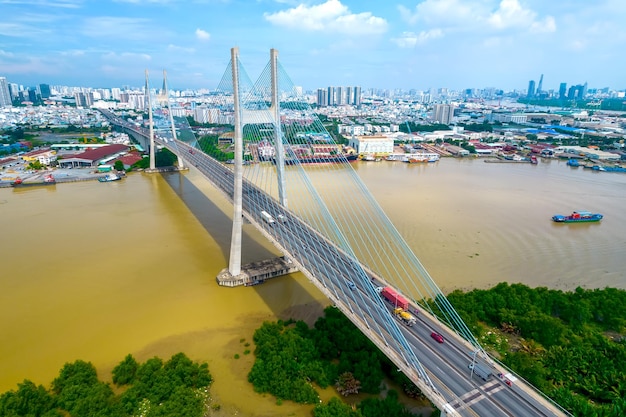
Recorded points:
(446, 364)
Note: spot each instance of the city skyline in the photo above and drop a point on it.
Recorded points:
(407, 45)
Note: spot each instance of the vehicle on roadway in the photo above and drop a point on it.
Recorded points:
(437, 337)
(395, 298)
(267, 218)
(408, 318)
(351, 285)
(478, 369)
(282, 218)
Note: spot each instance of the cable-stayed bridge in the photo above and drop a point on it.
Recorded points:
(296, 185)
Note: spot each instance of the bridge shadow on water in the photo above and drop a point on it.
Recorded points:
(285, 299)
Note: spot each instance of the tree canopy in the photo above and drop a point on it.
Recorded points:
(178, 387)
(571, 345)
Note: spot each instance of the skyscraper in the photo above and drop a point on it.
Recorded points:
(443, 113)
(341, 96)
(349, 95)
(540, 85)
(562, 91)
(5, 96)
(357, 96)
(331, 96)
(14, 91)
(531, 89)
(322, 97)
(44, 89)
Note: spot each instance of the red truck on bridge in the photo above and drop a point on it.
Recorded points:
(395, 298)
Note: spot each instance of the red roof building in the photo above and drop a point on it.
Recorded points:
(128, 160)
(94, 157)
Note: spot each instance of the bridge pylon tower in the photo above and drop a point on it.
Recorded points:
(166, 99)
(148, 103)
(242, 117)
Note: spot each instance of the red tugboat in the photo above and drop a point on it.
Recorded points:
(47, 180)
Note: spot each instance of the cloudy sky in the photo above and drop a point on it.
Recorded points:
(372, 43)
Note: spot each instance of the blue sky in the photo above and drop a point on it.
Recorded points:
(372, 43)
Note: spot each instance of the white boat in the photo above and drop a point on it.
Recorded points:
(110, 177)
(421, 157)
(434, 157)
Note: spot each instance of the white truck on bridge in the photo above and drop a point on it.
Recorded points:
(267, 218)
(480, 370)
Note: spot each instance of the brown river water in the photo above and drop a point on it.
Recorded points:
(95, 271)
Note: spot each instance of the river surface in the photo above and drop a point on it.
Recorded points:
(95, 271)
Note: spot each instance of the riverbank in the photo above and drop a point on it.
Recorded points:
(60, 176)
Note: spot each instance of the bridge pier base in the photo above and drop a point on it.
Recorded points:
(256, 272)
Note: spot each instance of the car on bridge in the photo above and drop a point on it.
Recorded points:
(437, 337)
(351, 285)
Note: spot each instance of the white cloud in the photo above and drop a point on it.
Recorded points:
(23, 29)
(477, 16)
(63, 4)
(147, 1)
(176, 48)
(127, 28)
(125, 56)
(202, 35)
(73, 53)
(547, 26)
(410, 39)
(510, 14)
(443, 12)
(331, 16)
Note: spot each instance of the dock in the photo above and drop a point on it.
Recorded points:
(165, 169)
(257, 272)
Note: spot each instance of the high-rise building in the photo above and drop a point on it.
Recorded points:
(540, 85)
(14, 91)
(44, 90)
(349, 95)
(531, 89)
(33, 97)
(115, 93)
(5, 96)
(341, 96)
(322, 97)
(576, 92)
(331, 96)
(571, 93)
(562, 91)
(83, 99)
(443, 113)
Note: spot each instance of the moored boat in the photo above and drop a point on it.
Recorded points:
(47, 180)
(415, 159)
(573, 162)
(578, 217)
(320, 159)
(110, 177)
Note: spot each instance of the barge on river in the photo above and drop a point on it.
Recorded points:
(578, 217)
